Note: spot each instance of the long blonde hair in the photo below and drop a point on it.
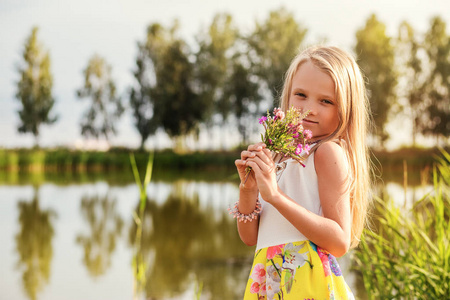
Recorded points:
(353, 111)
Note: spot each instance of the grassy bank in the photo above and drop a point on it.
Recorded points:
(79, 166)
(51, 160)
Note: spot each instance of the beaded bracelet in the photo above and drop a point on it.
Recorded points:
(244, 218)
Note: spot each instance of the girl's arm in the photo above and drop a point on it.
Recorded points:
(330, 232)
(248, 193)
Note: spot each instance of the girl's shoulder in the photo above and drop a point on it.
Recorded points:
(330, 155)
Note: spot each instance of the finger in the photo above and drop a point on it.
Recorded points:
(240, 164)
(266, 156)
(263, 166)
(256, 147)
(246, 154)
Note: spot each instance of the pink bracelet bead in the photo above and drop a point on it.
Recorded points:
(245, 218)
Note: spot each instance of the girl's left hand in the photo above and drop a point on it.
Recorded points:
(265, 173)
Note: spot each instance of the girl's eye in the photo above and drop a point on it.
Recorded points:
(300, 95)
(327, 101)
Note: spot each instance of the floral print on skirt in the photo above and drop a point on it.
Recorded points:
(298, 270)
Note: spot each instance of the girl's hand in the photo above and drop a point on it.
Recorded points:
(264, 170)
(242, 164)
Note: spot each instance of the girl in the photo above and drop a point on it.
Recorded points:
(311, 214)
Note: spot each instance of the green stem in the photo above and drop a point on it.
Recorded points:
(273, 263)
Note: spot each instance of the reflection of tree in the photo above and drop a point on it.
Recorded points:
(105, 225)
(34, 244)
(181, 240)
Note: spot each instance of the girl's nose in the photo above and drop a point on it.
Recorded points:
(310, 108)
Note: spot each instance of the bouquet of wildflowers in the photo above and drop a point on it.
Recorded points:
(284, 134)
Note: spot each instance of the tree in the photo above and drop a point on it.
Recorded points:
(106, 107)
(140, 96)
(175, 101)
(240, 96)
(34, 89)
(411, 65)
(273, 45)
(376, 58)
(435, 119)
(142, 100)
(212, 63)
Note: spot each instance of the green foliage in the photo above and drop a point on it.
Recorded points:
(139, 264)
(34, 90)
(436, 117)
(144, 99)
(409, 255)
(240, 96)
(212, 67)
(273, 45)
(412, 71)
(375, 53)
(140, 96)
(168, 87)
(106, 107)
(176, 103)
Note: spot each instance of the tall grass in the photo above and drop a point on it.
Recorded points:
(408, 256)
(138, 263)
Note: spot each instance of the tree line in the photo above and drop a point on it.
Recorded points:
(227, 78)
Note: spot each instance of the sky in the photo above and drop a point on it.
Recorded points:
(73, 31)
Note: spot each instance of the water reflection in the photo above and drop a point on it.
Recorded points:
(188, 239)
(34, 244)
(183, 241)
(105, 226)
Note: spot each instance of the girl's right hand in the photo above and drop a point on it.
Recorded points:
(242, 164)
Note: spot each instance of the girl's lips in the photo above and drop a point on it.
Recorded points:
(309, 121)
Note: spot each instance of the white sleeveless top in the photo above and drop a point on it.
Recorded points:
(298, 183)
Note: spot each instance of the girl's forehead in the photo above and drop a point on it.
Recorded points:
(310, 76)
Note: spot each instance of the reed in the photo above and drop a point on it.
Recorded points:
(408, 256)
(139, 265)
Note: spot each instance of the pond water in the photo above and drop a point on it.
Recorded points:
(77, 240)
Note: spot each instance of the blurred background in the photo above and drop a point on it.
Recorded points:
(85, 83)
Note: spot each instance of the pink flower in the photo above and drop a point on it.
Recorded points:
(259, 273)
(274, 250)
(262, 289)
(280, 115)
(325, 263)
(307, 133)
(299, 149)
(262, 119)
(307, 148)
(254, 288)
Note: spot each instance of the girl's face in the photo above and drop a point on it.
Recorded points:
(313, 89)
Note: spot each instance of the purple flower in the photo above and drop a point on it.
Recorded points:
(262, 119)
(270, 141)
(334, 265)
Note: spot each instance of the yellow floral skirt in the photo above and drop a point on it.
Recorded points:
(300, 271)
